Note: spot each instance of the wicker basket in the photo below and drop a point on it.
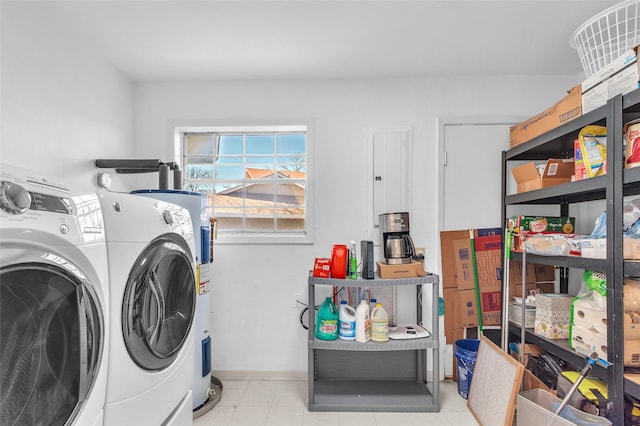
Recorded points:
(607, 36)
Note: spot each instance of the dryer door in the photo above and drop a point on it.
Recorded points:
(159, 302)
(51, 342)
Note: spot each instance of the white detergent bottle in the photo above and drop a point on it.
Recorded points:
(379, 324)
(363, 324)
(346, 321)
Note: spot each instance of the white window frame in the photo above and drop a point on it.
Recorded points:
(179, 127)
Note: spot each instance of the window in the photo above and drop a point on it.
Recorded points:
(258, 178)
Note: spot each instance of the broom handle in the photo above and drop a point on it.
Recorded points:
(583, 373)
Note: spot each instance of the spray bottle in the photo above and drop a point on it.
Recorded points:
(353, 261)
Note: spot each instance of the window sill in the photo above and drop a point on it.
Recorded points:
(230, 239)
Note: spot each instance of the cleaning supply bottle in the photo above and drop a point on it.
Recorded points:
(372, 304)
(327, 321)
(379, 324)
(363, 324)
(353, 261)
(346, 321)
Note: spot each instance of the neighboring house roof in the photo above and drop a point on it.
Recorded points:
(256, 198)
(251, 173)
(254, 206)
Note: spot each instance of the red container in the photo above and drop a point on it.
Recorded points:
(339, 255)
(322, 267)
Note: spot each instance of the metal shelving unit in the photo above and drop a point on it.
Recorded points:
(613, 187)
(391, 376)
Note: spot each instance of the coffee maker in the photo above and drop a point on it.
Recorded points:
(397, 244)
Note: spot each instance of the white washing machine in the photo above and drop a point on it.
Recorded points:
(54, 305)
(150, 250)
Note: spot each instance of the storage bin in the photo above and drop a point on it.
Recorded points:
(515, 314)
(537, 407)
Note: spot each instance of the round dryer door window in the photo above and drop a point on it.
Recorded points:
(159, 303)
(50, 343)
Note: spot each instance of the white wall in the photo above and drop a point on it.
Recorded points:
(254, 328)
(63, 105)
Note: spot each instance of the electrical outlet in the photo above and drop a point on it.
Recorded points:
(295, 300)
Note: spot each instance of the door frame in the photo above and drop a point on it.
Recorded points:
(442, 123)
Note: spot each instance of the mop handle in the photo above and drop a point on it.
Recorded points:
(583, 373)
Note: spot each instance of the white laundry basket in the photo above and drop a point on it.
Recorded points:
(607, 36)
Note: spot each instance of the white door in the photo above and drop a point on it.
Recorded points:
(472, 179)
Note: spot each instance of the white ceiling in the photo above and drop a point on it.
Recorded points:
(212, 39)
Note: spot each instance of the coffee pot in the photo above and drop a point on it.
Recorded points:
(396, 242)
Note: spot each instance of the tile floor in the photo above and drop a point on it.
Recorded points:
(283, 403)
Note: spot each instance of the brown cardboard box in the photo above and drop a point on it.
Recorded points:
(529, 348)
(405, 270)
(447, 256)
(545, 273)
(631, 327)
(533, 382)
(515, 272)
(556, 172)
(489, 268)
(516, 289)
(452, 319)
(465, 280)
(565, 110)
(631, 353)
(468, 308)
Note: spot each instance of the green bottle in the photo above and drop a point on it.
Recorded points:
(353, 262)
(327, 321)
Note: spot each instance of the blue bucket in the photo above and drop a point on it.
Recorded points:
(466, 351)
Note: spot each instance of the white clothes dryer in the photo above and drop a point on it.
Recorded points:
(54, 305)
(150, 250)
(196, 204)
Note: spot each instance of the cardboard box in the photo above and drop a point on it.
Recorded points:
(405, 270)
(552, 324)
(579, 169)
(447, 256)
(608, 70)
(523, 224)
(529, 348)
(516, 290)
(556, 172)
(545, 273)
(468, 308)
(553, 315)
(596, 248)
(452, 319)
(618, 77)
(515, 273)
(631, 326)
(465, 280)
(631, 357)
(557, 302)
(567, 109)
(533, 382)
(322, 267)
(489, 269)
